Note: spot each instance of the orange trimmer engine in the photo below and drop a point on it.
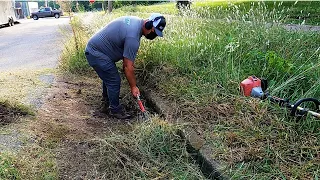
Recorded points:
(254, 87)
(251, 87)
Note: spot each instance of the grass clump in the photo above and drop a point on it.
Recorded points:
(152, 151)
(16, 108)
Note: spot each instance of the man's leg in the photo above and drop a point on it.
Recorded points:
(112, 81)
(105, 91)
(105, 99)
(108, 72)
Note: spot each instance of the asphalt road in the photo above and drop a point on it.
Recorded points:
(26, 47)
(32, 44)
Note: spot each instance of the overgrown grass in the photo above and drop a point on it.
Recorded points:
(201, 60)
(200, 63)
(296, 12)
(253, 140)
(205, 60)
(233, 51)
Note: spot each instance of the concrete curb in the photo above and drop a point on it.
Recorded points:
(195, 143)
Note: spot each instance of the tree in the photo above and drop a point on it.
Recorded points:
(66, 6)
(183, 4)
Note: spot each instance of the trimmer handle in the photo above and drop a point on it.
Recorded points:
(140, 104)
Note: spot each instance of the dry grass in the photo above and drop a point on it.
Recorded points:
(152, 150)
(21, 86)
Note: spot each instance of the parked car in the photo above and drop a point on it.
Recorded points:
(46, 12)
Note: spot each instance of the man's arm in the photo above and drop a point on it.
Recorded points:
(128, 69)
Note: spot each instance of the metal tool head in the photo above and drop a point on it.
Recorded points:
(145, 114)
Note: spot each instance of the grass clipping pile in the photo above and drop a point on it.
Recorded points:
(10, 114)
(151, 150)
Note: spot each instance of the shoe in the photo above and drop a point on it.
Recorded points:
(120, 113)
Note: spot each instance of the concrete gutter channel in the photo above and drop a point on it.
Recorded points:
(195, 144)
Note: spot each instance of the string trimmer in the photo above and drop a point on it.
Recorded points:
(254, 87)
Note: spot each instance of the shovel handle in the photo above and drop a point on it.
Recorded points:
(140, 104)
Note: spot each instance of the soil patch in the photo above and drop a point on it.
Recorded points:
(70, 120)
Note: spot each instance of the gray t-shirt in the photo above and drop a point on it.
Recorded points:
(120, 38)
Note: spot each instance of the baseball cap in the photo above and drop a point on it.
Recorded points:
(159, 22)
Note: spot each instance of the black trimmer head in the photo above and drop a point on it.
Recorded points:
(145, 114)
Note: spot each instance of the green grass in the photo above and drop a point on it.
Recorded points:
(200, 63)
(204, 61)
(7, 168)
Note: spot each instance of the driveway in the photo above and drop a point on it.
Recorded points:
(26, 49)
(31, 44)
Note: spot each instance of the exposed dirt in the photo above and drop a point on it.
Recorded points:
(70, 117)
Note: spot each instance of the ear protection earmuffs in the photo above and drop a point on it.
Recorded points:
(149, 23)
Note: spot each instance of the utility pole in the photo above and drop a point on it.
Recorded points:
(109, 6)
(77, 6)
